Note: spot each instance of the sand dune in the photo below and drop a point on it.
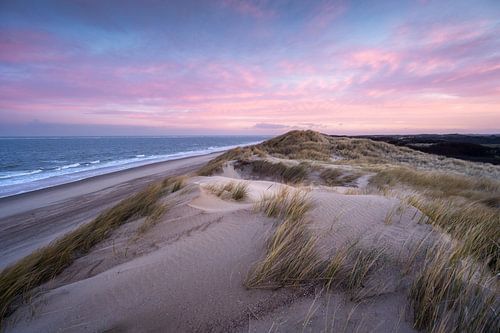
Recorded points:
(189, 269)
(187, 273)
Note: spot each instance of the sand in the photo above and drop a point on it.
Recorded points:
(187, 273)
(31, 220)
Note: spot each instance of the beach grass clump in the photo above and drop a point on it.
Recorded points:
(453, 295)
(439, 184)
(301, 145)
(237, 191)
(47, 262)
(285, 204)
(291, 258)
(288, 174)
(365, 260)
(476, 226)
(153, 218)
(240, 191)
(216, 164)
(174, 184)
(335, 177)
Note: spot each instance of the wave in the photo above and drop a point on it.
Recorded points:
(38, 179)
(69, 166)
(15, 174)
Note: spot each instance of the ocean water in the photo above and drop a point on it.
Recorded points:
(27, 164)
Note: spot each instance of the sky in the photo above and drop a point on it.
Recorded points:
(249, 67)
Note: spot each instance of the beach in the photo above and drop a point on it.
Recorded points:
(295, 234)
(31, 220)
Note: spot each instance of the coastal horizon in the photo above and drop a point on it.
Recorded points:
(250, 166)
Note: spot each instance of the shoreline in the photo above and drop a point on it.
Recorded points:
(57, 180)
(33, 219)
(109, 179)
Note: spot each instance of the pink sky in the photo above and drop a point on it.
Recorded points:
(252, 67)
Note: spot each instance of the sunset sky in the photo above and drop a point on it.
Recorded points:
(249, 67)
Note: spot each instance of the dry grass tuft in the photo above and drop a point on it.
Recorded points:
(47, 262)
(217, 163)
(335, 177)
(236, 191)
(363, 263)
(156, 214)
(291, 258)
(285, 204)
(299, 145)
(438, 184)
(279, 171)
(452, 295)
(476, 226)
(240, 191)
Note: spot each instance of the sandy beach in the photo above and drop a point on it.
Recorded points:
(31, 220)
(296, 234)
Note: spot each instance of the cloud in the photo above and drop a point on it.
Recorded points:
(270, 126)
(222, 68)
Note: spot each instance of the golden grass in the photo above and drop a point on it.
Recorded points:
(292, 257)
(237, 191)
(217, 163)
(310, 145)
(279, 171)
(363, 264)
(476, 226)
(452, 295)
(156, 214)
(47, 262)
(335, 177)
(299, 145)
(285, 204)
(438, 184)
(455, 290)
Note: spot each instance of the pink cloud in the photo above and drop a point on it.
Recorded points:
(434, 81)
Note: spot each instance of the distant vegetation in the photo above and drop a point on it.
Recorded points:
(477, 148)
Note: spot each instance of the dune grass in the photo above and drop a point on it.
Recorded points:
(462, 206)
(47, 262)
(285, 204)
(476, 227)
(217, 163)
(310, 145)
(237, 191)
(156, 214)
(438, 184)
(299, 145)
(335, 177)
(279, 171)
(292, 258)
(453, 295)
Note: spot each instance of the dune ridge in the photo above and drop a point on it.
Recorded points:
(303, 232)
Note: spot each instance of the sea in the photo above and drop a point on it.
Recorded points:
(32, 163)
